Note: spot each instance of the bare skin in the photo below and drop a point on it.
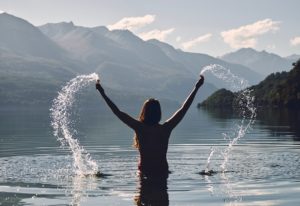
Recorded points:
(154, 139)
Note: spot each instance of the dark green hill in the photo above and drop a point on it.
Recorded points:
(277, 90)
(222, 98)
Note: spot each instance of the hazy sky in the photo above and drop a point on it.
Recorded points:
(214, 27)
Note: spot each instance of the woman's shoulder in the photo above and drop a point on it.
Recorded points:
(155, 127)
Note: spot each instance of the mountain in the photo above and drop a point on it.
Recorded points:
(277, 90)
(123, 60)
(32, 67)
(194, 62)
(262, 62)
(22, 38)
(293, 57)
(101, 48)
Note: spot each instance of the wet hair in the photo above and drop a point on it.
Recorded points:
(150, 115)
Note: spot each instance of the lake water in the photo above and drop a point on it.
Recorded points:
(263, 168)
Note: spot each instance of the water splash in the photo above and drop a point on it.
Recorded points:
(234, 82)
(61, 123)
(207, 168)
(245, 104)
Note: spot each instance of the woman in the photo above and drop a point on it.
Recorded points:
(151, 137)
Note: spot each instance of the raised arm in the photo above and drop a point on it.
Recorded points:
(127, 119)
(179, 114)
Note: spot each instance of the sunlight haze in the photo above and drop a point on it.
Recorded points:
(211, 27)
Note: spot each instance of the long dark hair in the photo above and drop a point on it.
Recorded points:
(150, 115)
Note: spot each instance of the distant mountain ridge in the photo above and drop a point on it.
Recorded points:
(31, 65)
(18, 36)
(262, 62)
(293, 57)
(194, 61)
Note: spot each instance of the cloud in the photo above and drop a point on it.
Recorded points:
(178, 39)
(295, 41)
(246, 36)
(132, 22)
(156, 34)
(189, 44)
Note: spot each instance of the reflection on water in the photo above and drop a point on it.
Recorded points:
(151, 192)
(279, 122)
(80, 187)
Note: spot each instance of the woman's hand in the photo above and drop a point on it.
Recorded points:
(99, 87)
(200, 81)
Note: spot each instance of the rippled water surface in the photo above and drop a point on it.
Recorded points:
(263, 168)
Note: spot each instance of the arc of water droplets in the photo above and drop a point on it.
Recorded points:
(235, 82)
(245, 103)
(61, 123)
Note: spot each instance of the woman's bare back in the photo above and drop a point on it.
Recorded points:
(153, 146)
